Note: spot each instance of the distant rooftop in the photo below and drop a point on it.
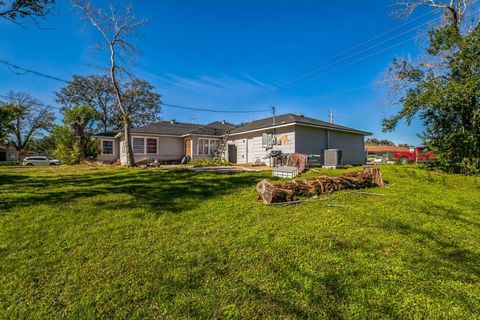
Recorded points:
(386, 149)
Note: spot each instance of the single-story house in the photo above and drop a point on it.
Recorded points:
(8, 154)
(247, 143)
(386, 152)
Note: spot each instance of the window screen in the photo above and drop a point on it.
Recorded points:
(208, 146)
(107, 147)
(138, 145)
(267, 140)
(214, 146)
(200, 146)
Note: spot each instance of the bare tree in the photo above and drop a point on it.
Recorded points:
(28, 119)
(454, 10)
(15, 9)
(117, 30)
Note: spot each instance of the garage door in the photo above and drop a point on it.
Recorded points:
(3, 156)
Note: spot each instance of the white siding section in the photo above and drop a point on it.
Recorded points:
(285, 143)
(168, 148)
(241, 145)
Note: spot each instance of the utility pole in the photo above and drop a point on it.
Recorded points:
(193, 119)
(330, 115)
(273, 114)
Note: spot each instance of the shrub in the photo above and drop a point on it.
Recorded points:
(209, 163)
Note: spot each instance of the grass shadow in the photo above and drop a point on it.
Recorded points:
(160, 191)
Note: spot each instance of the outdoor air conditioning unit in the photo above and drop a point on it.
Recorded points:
(333, 158)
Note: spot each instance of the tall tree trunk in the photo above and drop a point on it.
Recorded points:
(18, 145)
(128, 143)
(125, 114)
(80, 137)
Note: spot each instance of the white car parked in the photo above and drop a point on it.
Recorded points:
(379, 159)
(40, 161)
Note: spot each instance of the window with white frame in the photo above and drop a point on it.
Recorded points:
(207, 146)
(138, 145)
(267, 140)
(107, 147)
(151, 146)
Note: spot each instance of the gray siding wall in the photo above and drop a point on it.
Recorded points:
(312, 140)
(244, 155)
(352, 146)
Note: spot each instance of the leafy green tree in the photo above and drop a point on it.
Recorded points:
(139, 97)
(6, 117)
(80, 119)
(65, 148)
(44, 145)
(95, 91)
(377, 142)
(443, 90)
(73, 140)
(141, 102)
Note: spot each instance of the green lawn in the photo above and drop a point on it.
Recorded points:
(77, 242)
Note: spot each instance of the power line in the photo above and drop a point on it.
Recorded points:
(41, 74)
(25, 71)
(36, 103)
(286, 84)
(213, 110)
(321, 62)
(309, 73)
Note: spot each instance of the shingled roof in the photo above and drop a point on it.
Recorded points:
(291, 118)
(111, 134)
(218, 128)
(169, 128)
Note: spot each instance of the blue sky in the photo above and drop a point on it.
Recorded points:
(238, 55)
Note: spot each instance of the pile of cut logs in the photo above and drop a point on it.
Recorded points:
(269, 192)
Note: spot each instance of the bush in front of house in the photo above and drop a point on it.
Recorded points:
(209, 163)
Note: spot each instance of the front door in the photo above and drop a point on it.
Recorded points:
(3, 156)
(188, 147)
(232, 153)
